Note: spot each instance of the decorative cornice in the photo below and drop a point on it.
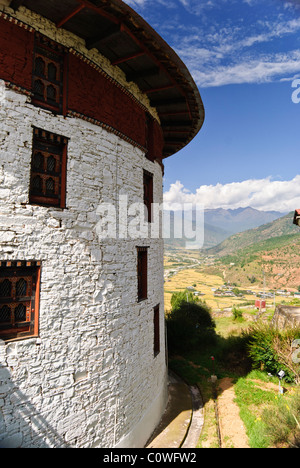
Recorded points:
(16, 21)
(18, 89)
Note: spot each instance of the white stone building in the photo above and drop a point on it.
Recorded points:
(91, 102)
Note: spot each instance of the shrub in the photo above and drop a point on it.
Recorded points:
(252, 279)
(237, 313)
(271, 350)
(189, 324)
(183, 296)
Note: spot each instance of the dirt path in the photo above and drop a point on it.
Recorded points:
(233, 433)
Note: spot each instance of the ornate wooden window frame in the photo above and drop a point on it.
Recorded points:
(49, 75)
(19, 307)
(48, 169)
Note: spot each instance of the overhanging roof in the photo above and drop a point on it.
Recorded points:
(121, 35)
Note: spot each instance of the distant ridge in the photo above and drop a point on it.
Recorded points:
(220, 224)
(282, 226)
(239, 219)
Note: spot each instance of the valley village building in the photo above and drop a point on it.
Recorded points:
(92, 100)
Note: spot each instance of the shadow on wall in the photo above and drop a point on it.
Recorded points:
(23, 420)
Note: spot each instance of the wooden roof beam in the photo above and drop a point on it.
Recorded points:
(70, 15)
(161, 88)
(98, 9)
(102, 12)
(128, 57)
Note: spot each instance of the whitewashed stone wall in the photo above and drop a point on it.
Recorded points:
(90, 379)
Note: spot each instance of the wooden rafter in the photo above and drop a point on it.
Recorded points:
(161, 88)
(98, 9)
(128, 57)
(70, 15)
(124, 28)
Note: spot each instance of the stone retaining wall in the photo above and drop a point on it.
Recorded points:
(286, 316)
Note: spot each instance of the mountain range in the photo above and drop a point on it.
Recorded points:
(220, 224)
(264, 256)
(279, 230)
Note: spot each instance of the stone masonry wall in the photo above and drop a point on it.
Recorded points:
(286, 316)
(91, 376)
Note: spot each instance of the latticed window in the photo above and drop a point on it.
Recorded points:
(48, 70)
(142, 272)
(19, 298)
(48, 169)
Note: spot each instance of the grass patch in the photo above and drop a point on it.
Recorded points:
(269, 416)
(252, 399)
(266, 415)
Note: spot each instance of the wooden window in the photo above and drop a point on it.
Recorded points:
(19, 299)
(142, 272)
(156, 331)
(48, 169)
(148, 195)
(48, 75)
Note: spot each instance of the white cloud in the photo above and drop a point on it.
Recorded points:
(257, 70)
(143, 3)
(262, 194)
(219, 49)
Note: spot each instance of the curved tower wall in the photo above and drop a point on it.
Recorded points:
(88, 374)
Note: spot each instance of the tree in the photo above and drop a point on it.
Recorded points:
(189, 324)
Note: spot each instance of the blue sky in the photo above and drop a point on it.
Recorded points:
(244, 56)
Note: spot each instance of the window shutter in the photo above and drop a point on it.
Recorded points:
(19, 299)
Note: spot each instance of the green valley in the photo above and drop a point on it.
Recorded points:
(263, 260)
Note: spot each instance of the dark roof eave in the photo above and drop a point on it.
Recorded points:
(173, 76)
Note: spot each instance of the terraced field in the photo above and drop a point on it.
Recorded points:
(187, 270)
